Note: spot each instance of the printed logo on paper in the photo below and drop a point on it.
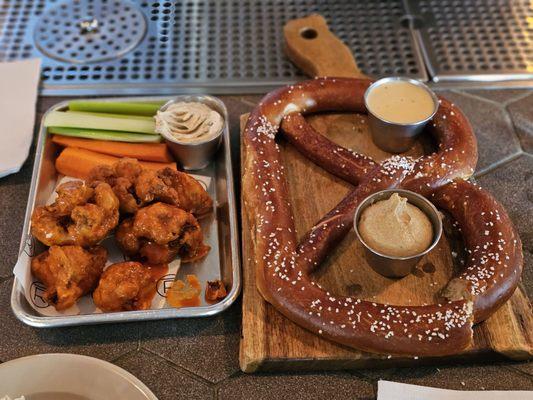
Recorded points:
(29, 245)
(37, 290)
(165, 283)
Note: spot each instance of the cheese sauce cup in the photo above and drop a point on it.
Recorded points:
(398, 109)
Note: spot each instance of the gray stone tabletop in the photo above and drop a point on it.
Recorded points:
(198, 358)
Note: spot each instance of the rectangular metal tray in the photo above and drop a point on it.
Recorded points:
(224, 237)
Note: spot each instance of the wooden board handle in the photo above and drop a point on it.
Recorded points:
(316, 50)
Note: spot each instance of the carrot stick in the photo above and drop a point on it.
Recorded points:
(141, 151)
(78, 162)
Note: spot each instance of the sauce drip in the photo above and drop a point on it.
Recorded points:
(185, 294)
(400, 102)
(156, 271)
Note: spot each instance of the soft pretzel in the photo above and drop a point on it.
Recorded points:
(283, 265)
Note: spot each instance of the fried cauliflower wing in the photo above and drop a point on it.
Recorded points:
(215, 290)
(125, 286)
(173, 187)
(160, 232)
(80, 215)
(121, 177)
(68, 272)
(137, 187)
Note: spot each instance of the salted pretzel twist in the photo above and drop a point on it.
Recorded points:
(283, 266)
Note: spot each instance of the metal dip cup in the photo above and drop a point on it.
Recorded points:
(390, 266)
(392, 136)
(196, 155)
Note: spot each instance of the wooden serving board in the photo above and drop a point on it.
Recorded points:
(270, 341)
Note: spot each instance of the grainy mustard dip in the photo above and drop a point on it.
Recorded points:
(395, 228)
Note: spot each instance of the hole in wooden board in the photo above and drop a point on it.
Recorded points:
(354, 289)
(308, 33)
(418, 273)
(428, 267)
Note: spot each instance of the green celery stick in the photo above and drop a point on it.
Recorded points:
(101, 121)
(105, 135)
(115, 107)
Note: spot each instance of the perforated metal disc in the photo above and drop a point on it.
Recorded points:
(80, 32)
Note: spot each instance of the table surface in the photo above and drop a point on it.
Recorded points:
(198, 358)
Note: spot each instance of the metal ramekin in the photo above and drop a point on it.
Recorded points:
(196, 155)
(392, 136)
(390, 266)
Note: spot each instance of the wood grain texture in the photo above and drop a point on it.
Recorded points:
(270, 341)
(316, 50)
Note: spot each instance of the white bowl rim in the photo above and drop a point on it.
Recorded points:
(122, 373)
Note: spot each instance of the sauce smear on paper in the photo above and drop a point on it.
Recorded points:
(157, 271)
(185, 294)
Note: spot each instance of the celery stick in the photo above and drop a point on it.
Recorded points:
(105, 135)
(108, 122)
(115, 107)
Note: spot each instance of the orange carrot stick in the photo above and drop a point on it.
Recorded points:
(78, 162)
(141, 151)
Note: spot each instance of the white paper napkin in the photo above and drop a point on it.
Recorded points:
(19, 81)
(402, 391)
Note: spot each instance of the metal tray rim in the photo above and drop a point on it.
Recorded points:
(129, 316)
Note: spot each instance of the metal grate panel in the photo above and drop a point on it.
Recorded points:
(476, 39)
(161, 46)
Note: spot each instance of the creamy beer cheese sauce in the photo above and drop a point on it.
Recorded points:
(400, 102)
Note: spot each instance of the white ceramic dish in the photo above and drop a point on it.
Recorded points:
(69, 376)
